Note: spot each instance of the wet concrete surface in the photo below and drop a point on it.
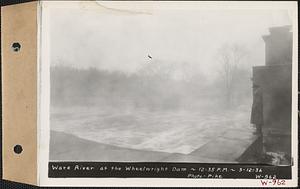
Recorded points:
(66, 147)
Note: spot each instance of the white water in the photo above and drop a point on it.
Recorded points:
(167, 131)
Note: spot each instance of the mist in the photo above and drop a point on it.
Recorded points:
(108, 41)
(155, 80)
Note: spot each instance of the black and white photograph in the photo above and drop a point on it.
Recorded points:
(179, 90)
(170, 85)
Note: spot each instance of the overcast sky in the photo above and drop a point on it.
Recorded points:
(110, 41)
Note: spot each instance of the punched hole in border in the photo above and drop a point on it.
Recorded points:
(18, 149)
(16, 47)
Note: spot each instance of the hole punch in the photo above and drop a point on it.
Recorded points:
(18, 149)
(16, 47)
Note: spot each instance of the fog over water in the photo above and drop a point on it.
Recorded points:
(165, 80)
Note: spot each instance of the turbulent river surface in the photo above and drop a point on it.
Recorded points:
(176, 131)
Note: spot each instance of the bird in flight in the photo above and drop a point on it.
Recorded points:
(149, 56)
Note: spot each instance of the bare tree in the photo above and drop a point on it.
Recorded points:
(230, 57)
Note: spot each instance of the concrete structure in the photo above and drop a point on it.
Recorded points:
(275, 79)
(278, 46)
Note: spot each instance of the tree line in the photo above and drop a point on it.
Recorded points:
(155, 85)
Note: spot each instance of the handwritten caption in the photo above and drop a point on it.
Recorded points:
(273, 182)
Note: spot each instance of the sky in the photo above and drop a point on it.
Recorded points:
(110, 39)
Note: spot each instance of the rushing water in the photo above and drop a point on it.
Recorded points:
(178, 131)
